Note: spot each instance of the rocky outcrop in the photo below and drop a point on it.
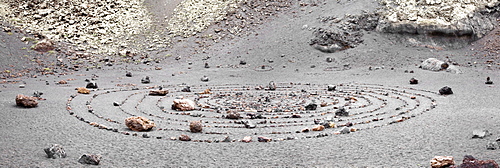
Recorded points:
(434, 64)
(471, 162)
(181, 104)
(55, 151)
(139, 124)
(44, 45)
(26, 101)
(472, 18)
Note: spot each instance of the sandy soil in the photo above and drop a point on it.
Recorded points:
(444, 130)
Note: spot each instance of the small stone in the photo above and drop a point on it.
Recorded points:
(249, 124)
(331, 87)
(83, 90)
(55, 151)
(139, 123)
(243, 62)
(341, 112)
(329, 59)
(264, 139)
(195, 126)
(345, 130)
(445, 91)
(182, 104)
(318, 128)
(91, 85)
(480, 134)
(184, 137)
(26, 101)
(296, 116)
(128, 74)
(471, 162)
(158, 92)
(271, 86)
(442, 161)
(22, 86)
(488, 81)
(233, 115)
(145, 135)
(37, 94)
(186, 89)
(90, 159)
(62, 82)
(413, 81)
(226, 139)
(204, 79)
(116, 104)
(206, 65)
(311, 106)
(492, 145)
(247, 139)
(145, 80)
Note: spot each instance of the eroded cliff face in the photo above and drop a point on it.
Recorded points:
(446, 17)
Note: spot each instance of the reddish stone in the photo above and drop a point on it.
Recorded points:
(26, 101)
(195, 126)
(184, 138)
(471, 162)
(139, 124)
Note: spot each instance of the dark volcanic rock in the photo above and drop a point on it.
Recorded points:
(445, 91)
(55, 151)
(341, 112)
(128, 74)
(413, 81)
(471, 162)
(26, 101)
(311, 106)
(91, 85)
(331, 87)
(264, 139)
(204, 79)
(488, 81)
(158, 92)
(90, 159)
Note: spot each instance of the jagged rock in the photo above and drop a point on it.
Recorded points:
(83, 90)
(318, 128)
(195, 126)
(341, 112)
(331, 87)
(90, 159)
(434, 64)
(311, 106)
(181, 104)
(442, 161)
(247, 139)
(445, 90)
(145, 80)
(480, 134)
(249, 124)
(264, 139)
(413, 81)
(55, 151)
(492, 145)
(471, 162)
(26, 101)
(158, 92)
(186, 89)
(44, 45)
(233, 115)
(184, 138)
(139, 124)
(91, 85)
(345, 130)
(116, 104)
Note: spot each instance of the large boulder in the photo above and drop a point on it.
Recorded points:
(434, 64)
(55, 151)
(26, 101)
(181, 104)
(442, 161)
(90, 159)
(139, 124)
